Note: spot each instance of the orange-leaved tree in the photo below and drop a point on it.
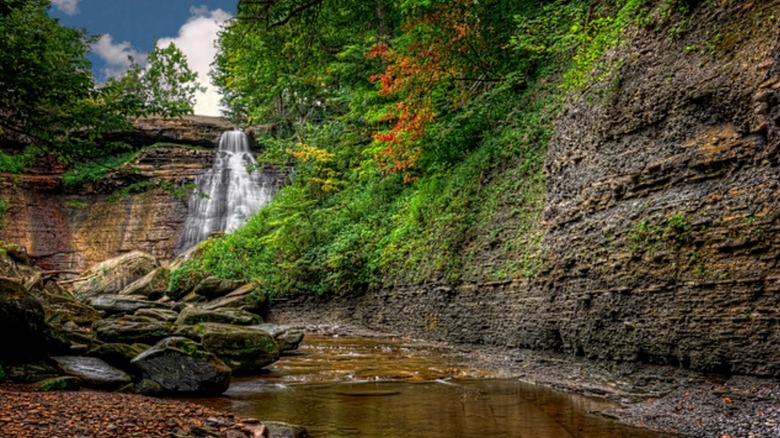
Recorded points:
(444, 55)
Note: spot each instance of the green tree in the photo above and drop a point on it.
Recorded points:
(166, 86)
(47, 87)
(49, 99)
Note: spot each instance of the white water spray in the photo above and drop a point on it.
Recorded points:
(232, 194)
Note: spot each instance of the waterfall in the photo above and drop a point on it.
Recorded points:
(227, 195)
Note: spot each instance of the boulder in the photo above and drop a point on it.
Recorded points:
(151, 286)
(122, 304)
(195, 315)
(80, 339)
(129, 331)
(158, 314)
(277, 429)
(118, 354)
(8, 266)
(61, 383)
(243, 349)
(238, 299)
(212, 287)
(23, 329)
(61, 308)
(181, 366)
(114, 275)
(288, 338)
(18, 253)
(93, 371)
(190, 253)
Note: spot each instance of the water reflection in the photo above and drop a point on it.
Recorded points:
(380, 387)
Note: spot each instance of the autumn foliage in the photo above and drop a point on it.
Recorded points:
(430, 70)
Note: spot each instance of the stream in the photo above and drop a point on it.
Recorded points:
(350, 386)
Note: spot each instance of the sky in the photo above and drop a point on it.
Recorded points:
(131, 27)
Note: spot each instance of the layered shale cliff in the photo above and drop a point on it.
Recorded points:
(138, 206)
(661, 229)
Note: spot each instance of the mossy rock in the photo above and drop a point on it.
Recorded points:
(25, 333)
(195, 315)
(181, 366)
(243, 349)
(114, 275)
(118, 354)
(130, 331)
(61, 383)
(151, 286)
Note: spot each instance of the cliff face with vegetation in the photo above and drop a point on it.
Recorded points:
(660, 222)
(662, 215)
(139, 205)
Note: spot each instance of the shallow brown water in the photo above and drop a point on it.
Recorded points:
(387, 387)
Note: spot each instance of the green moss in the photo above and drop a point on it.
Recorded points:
(186, 346)
(83, 172)
(52, 385)
(17, 163)
(76, 204)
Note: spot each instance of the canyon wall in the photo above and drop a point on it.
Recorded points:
(662, 227)
(139, 206)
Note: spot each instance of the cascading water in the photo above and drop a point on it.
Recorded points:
(227, 195)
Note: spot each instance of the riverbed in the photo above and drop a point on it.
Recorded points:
(382, 386)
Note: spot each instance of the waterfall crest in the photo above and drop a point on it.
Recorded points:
(232, 194)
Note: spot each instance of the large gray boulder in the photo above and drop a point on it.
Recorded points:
(181, 366)
(151, 286)
(93, 371)
(114, 275)
(23, 329)
(243, 349)
(238, 299)
(127, 330)
(212, 287)
(196, 315)
(118, 354)
(288, 338)
(122, 304)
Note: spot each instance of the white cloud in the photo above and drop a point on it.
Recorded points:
(68, 7)
(116, 55)
(197, 39)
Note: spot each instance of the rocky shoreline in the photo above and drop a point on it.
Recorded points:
(671, 400)
(119, 327)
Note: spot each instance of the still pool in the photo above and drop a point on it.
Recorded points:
(389, 387)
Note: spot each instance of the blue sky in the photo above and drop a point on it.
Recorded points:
(130, 27)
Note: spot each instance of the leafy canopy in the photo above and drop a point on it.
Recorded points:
(49, 98)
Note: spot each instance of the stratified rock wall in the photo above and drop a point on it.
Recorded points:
(72, 231)
(663, 208)
(662, 218)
